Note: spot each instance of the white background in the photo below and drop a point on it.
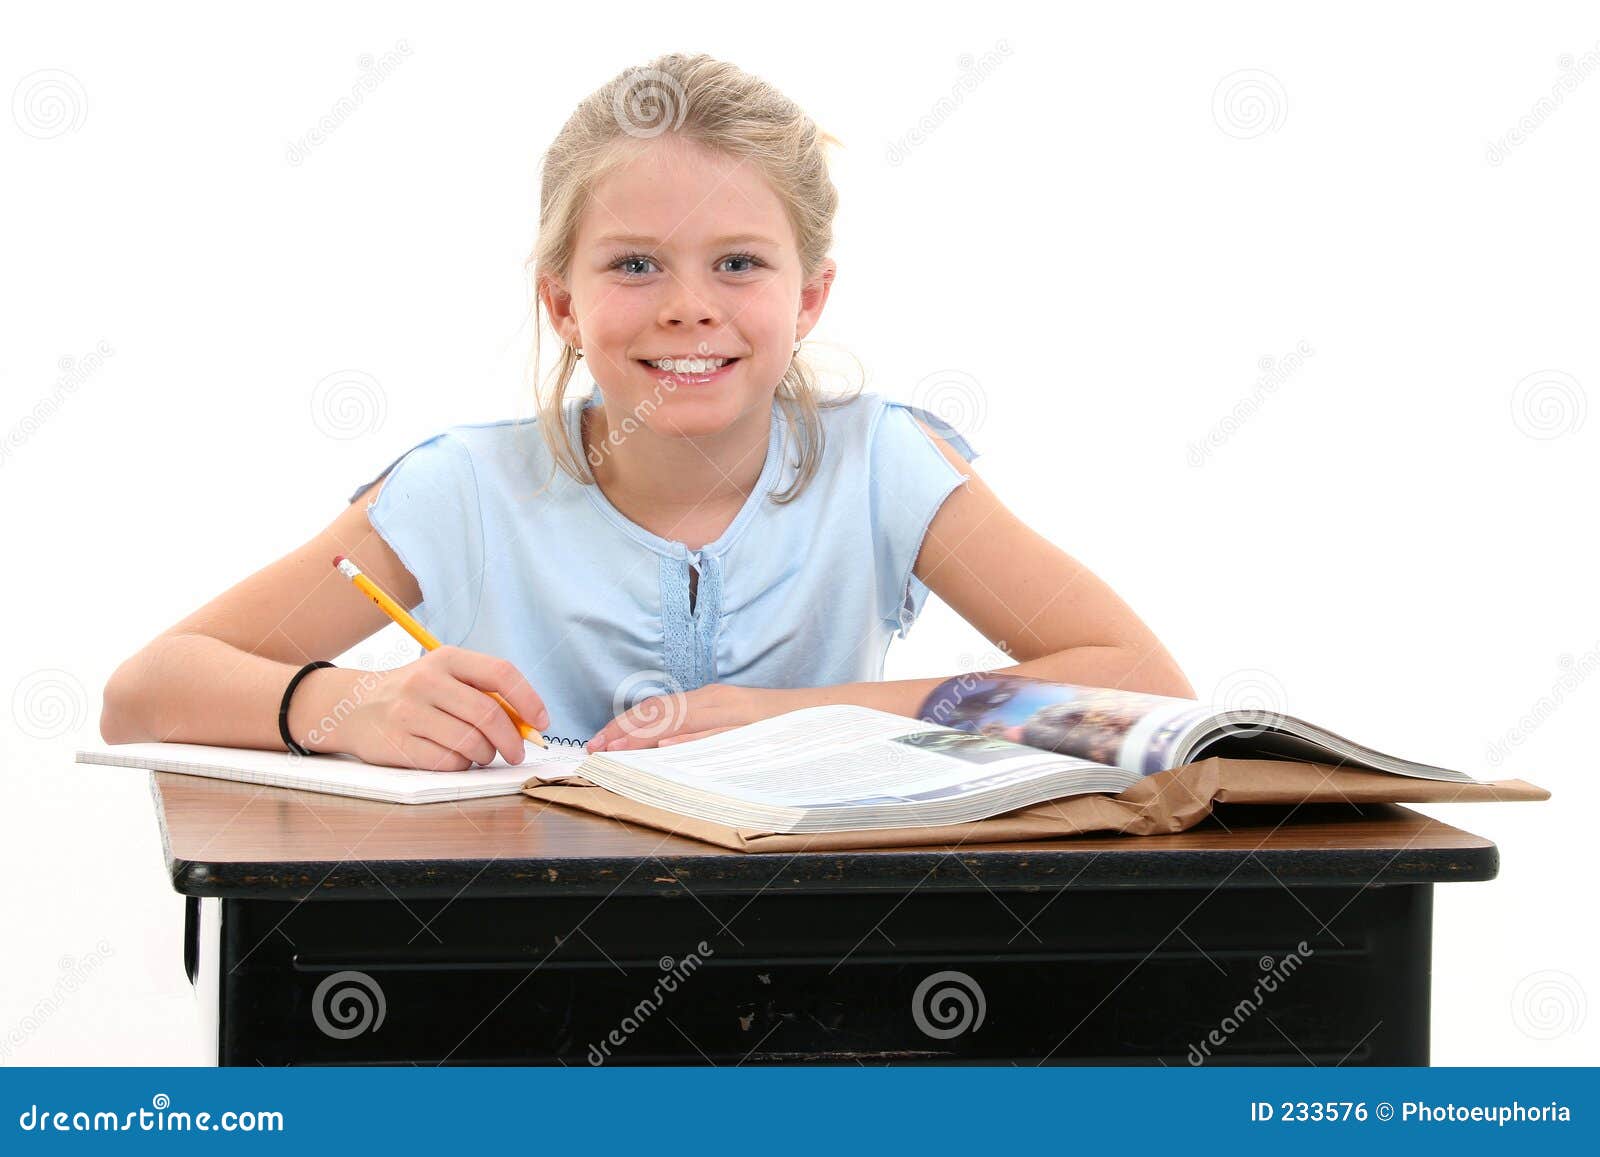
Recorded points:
(1094, 242)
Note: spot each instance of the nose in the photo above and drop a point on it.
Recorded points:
(687, 304)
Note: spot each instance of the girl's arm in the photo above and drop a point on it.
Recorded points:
(218, 676)
(1028, 597)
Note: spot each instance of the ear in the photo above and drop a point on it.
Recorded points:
(558, 307)
(813, 296)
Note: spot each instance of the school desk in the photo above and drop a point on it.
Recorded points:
(325, 930)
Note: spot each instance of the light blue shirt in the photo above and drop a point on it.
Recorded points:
(594, 610)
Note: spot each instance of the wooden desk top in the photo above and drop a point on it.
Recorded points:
(232, 839)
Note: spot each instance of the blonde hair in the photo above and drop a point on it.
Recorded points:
(718, 106)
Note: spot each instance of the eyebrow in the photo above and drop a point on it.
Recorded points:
(646, 239)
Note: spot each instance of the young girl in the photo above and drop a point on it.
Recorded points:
(701, 542)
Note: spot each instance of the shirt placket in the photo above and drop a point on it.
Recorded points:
(690, 656)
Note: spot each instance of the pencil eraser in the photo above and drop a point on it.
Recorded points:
(337, 559)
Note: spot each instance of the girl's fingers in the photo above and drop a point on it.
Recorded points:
(475, 709)
(487, 673)
(642, 724)
(413, 751)
(456, 734)
(430, 756)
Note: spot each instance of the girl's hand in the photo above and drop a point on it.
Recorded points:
(662, 720)
(433, 713)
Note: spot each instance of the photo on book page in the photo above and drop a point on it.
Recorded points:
(1144, 733)
(1128, 729)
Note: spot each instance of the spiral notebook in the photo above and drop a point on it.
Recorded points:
(339, 774)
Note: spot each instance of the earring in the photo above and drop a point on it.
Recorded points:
(577, 351)
(796, 347)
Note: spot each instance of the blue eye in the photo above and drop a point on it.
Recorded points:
(631, 257)
(751, 257)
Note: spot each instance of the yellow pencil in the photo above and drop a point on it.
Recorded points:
(422, 635)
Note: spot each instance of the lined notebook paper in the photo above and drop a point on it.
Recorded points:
(337, 774)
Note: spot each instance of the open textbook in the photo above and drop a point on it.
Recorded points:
(986, 743)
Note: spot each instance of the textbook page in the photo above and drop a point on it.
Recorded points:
(844, 754)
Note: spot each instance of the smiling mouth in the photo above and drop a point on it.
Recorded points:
(727, 363)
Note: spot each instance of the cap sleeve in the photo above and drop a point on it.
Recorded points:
(910, 479)
(428, 512)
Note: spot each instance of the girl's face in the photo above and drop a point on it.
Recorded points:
(684, 252)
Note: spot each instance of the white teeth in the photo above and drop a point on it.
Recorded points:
(690, 365)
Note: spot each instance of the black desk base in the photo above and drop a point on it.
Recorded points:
(1129, 976)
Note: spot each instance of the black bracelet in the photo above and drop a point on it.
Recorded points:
(283, 709)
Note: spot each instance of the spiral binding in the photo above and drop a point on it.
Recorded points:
(558, 740)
